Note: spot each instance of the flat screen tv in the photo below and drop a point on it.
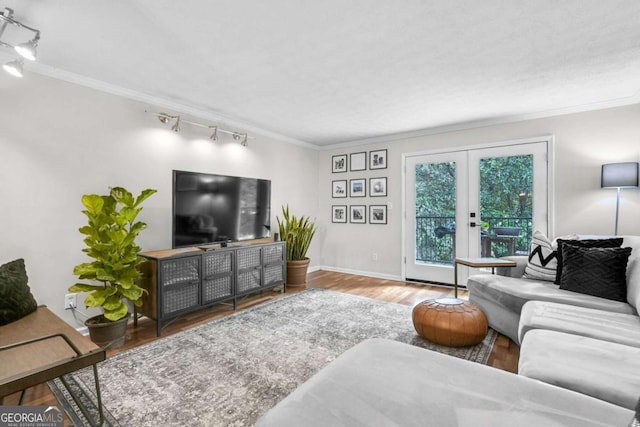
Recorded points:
(211, 208)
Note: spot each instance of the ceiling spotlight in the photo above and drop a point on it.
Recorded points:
(215, 130)
(244, 136)
(14, 67)
(164, 118)
(176, 126)
(28, 49)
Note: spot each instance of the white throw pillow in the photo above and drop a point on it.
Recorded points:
(543, 260)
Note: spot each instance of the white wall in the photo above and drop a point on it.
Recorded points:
(60, 140)
(583, 142)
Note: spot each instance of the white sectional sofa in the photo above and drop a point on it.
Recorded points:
(502, 297)
(385, 383)
(604, 325)
(602, 369)
(579, 366)
(573, 340)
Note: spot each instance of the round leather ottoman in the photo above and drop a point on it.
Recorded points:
(450, 321)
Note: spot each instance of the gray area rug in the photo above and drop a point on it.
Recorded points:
(230, 371)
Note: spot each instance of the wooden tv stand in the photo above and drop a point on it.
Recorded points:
(180, 281)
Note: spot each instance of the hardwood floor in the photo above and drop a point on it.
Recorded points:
(504, 355)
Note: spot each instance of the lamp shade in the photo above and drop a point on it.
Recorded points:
(620, 175)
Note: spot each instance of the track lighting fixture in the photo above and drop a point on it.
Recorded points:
(166, 118)
(163, 118)
(176, 126)
(14, 67)
(28, 49)
(25, 50)
(244, 137)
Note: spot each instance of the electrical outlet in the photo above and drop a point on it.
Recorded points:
(70, 300)
(374, 256)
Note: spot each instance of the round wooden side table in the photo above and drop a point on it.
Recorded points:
(450, 321)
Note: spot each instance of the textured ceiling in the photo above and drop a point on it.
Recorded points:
(335, 71)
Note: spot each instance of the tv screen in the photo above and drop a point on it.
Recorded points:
(211, 208)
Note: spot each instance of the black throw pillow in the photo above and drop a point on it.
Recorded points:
(16, 300)
(614, 242)
(601, 272)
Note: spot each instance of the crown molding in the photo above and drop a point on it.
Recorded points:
(620, 102)
(159, 102)
(179, 108)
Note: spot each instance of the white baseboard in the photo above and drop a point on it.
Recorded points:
(83, 330)
(358, 272)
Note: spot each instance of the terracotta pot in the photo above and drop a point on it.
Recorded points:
(105, 333)
(297, 272)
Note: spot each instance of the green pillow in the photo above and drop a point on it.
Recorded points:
(16, 300)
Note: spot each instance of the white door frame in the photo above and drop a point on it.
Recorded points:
(548, 139)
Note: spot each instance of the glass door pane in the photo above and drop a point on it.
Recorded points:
(435, 193)
(509, 192)
(434, 208)
(506, 205)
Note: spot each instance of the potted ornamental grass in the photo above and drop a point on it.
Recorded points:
(112, 275)
(297, 232)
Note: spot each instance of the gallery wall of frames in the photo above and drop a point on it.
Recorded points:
(355, 182)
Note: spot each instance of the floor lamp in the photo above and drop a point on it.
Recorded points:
(619, 176)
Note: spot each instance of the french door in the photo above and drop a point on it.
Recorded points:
(478, 202)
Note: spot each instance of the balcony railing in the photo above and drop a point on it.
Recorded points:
(435, 238)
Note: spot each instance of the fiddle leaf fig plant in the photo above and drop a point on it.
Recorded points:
(110, 238)
(297, 233)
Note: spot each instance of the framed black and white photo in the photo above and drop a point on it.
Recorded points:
(377, 214)
(377, 187)
(358, 161)
(339, 213)
(339, 163)
(378, 159)
(339, 188)
(357, 188)
(358, 214)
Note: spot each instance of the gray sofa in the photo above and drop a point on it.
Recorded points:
(579, 366)
(502, 297)
(576, 341)
(602, 369)
(390, 384)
